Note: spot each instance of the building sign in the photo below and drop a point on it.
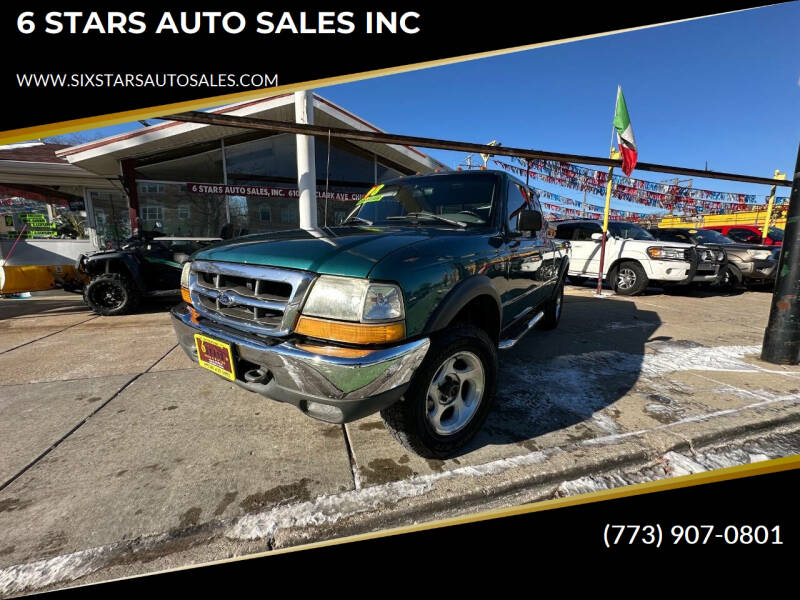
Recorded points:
(266, 192)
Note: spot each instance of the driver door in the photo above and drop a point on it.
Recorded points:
(525, 278)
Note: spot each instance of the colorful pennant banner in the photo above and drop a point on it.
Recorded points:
(658, 195)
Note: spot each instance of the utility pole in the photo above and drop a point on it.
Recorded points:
(782, 337)
(768, 217)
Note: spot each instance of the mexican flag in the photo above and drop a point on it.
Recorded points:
(625, 141)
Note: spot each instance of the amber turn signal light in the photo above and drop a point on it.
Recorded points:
(338, 351)
(351, 333)
(185, 296)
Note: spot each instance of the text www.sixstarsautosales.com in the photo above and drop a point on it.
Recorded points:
(147, 80)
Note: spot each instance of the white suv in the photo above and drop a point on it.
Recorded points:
(634, 259)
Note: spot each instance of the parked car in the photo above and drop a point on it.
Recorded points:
(748, 264)
(400, 310)
(634, 259)
(146, 267)
(749, 234)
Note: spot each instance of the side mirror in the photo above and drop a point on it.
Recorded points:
(597, 237)
(530, 220)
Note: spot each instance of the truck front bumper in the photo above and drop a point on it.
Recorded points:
(758, 270)
(329, 388)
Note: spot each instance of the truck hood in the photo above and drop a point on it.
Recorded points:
(347, 251)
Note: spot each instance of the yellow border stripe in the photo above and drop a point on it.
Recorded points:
(738, 472)
(40, 131)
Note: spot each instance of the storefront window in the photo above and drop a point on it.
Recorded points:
(348, 165)
(386, 173)
(179, 212)
(268, 159)
(111, 218)
(261, 187)
(42, 217)
(205, 167)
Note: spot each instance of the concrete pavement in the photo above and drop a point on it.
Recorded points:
(119, 456)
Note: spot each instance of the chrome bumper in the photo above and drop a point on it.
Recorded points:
(329, 388)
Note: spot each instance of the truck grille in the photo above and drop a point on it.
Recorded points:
(711, 256)
(262, 300)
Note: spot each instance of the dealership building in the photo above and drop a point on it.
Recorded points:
(188, 179)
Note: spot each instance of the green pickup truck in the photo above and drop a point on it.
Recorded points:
(401, 309)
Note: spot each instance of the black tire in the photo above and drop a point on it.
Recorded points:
(577, 280)
(111, 294)
(407, 419)
(553, 309)
(632, 277)
(730, 280)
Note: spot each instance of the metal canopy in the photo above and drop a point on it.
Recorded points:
(422, 142)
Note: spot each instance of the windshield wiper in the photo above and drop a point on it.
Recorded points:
(417, 215)
(356, 220)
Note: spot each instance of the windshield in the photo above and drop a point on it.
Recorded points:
(464, 200)
(776, 234)
(709, 236)
(628, 231)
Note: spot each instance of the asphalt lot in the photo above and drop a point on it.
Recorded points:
(118, 456)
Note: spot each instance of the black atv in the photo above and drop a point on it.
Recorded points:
(148, 267)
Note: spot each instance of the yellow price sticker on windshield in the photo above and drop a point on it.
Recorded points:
(371, 193)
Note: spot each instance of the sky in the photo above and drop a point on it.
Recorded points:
(722, 91)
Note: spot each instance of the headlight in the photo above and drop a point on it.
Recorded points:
(759, 254)
(185, 274)
(373, 311)
(665, 253)
(185, 296)
(350, 299)
(382, 303)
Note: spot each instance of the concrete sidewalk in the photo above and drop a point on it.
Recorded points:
(119, 456)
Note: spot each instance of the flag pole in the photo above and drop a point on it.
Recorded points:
(609, 183)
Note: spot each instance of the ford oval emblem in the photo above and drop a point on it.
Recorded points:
(226, 300)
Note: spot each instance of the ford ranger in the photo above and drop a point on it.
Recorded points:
(401, 309)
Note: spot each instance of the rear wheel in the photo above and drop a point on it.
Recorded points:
(450, 394)
(552, 311)
(111, 294)
(629, 279)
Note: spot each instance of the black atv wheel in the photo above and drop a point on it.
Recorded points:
(450, 394)
(111, 294)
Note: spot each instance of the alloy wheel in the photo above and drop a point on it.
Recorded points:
(626, 278)
(455, 393)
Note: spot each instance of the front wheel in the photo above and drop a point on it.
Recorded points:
(111, 294)
(730, 279)
(629, 279)
(450, 394)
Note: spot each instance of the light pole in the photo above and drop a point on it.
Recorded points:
(782, 337)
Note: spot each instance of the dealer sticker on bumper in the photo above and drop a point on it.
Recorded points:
(215, 356)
